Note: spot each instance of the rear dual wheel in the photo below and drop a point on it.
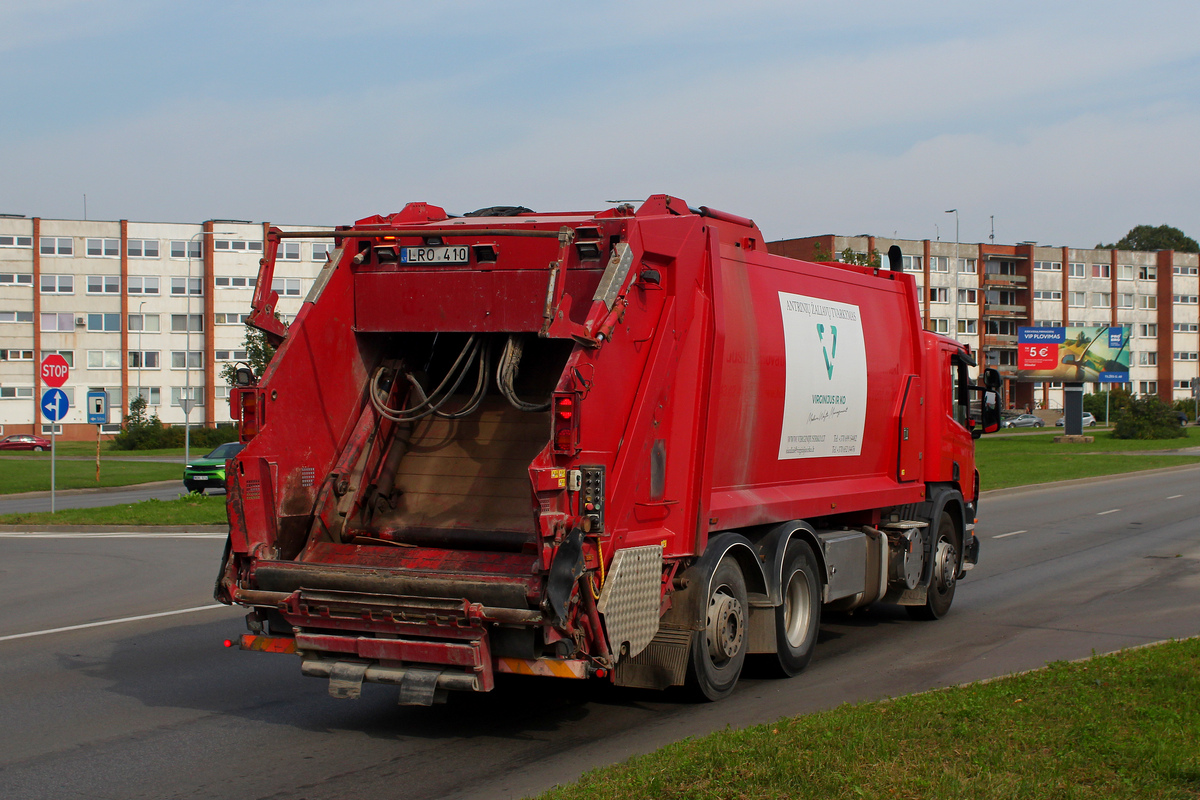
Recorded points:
(798, 617)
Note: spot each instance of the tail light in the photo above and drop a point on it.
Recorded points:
(566, 423)
(251, 421)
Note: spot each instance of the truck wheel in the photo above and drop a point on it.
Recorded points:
(945, 572)
(719, 650)
(799, 616)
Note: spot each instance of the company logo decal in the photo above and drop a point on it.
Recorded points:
(829, 357)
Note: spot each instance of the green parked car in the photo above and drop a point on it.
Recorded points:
(209, 472)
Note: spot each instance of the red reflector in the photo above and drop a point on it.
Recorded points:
(600, 673)
(229, 643)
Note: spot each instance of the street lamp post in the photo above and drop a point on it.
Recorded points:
(141, 352)
(186, 400)
(957, 266)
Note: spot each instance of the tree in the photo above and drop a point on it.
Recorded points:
(1147, 237)
(1148, 417)
(259, 353)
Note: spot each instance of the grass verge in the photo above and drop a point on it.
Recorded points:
(106, 450)
(1036, 458)
(188, 510)
(1125, 725)
(30, 475)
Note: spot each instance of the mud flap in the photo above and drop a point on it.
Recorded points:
(419, 687)
(346, 680)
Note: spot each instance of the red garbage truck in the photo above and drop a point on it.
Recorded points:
(629, 445)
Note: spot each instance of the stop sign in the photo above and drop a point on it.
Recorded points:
(55, 370)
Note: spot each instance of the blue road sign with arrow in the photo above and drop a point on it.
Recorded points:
(55, 404)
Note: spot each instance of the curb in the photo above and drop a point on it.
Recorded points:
(36, 528)
(97, 490)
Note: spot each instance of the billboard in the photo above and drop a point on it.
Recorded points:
(1074, 354)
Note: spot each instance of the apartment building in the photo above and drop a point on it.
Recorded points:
(136, 308)
(982, 293)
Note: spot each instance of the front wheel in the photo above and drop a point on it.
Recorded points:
(38, 448)
(798, 617)
(945, 571)
(719, 651)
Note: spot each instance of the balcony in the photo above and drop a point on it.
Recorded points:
(1000, 279)
(999, 340)
(999, 310)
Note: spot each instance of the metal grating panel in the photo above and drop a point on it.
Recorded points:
(631, 598)
(253, 490)
(307, 476)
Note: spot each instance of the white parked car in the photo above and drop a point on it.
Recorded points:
(1089, 420)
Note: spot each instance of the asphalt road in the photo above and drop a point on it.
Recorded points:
(75, 498)
(156, 708)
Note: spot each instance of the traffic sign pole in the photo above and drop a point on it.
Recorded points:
(55, 372)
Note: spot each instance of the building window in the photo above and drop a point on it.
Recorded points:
(16, 279)
(221, 392)
(1186, 355)
(1147, 273)
(1002, 298)
(103, 284)
(1185, 270)
(1147, 359)
(321, 251)
(103, 359)
(142, 248)
(58, 284)
(149, 393)
(1185, 299)
(190, 359)
(1046, 295)
(143, 323)
(234, 282)
(182, 323)
(106, 323)
(1077, 269)
(1149, 387)
(230, 355)
(288, 251)
(196, 394)
(1101, 270)
(64, 322)
(1048, 266)
(1002, 327)
(187, 249)
(1125, 301)
(286, 287)
(143, 284)
(143, 359)
(968, 296)
(104, 248)
(1008, 358)
(16, 316)
(55, 430)
(1148, 330)
(230, 319)
(1002, 268)
(62, 246)
(939, 294)
(912, 263)
(16, 241)
(15, 392)
(1124, 272)
(68, 356)
(1147, 301)
(968, 326)
(230, 244)
(968, 266)
(180, 286)
(1048, 323)
(1185, 327)
(1101, 300)
(16, 355)
(939, 264)
(940, 325)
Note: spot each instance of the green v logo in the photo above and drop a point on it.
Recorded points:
(830, 351)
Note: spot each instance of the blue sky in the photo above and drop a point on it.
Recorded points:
(1069, 122)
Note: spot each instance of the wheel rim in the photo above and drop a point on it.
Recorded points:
(726, 626)
(797, 608)
(945, 566)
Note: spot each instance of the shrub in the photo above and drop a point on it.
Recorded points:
(1117, 401)
(1148, 417)
(148, 433)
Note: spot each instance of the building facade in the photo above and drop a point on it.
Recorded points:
(135, 308)
(982, 293)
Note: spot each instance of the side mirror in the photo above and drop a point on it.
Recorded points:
(243, 376)
(991, 379)
(991, 410)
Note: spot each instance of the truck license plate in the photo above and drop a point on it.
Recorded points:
(458, 254)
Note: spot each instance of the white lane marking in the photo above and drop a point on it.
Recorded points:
(1175, 497)
(111, 535)
(1002, 535)
(111, 622)
(1110, 511)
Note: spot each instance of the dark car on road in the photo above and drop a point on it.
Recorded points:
(209, 472)
(23, 441)
(1023, 421)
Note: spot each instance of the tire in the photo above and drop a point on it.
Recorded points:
(719, 651)
(798, 617)
(37, 449)
(946, 549)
